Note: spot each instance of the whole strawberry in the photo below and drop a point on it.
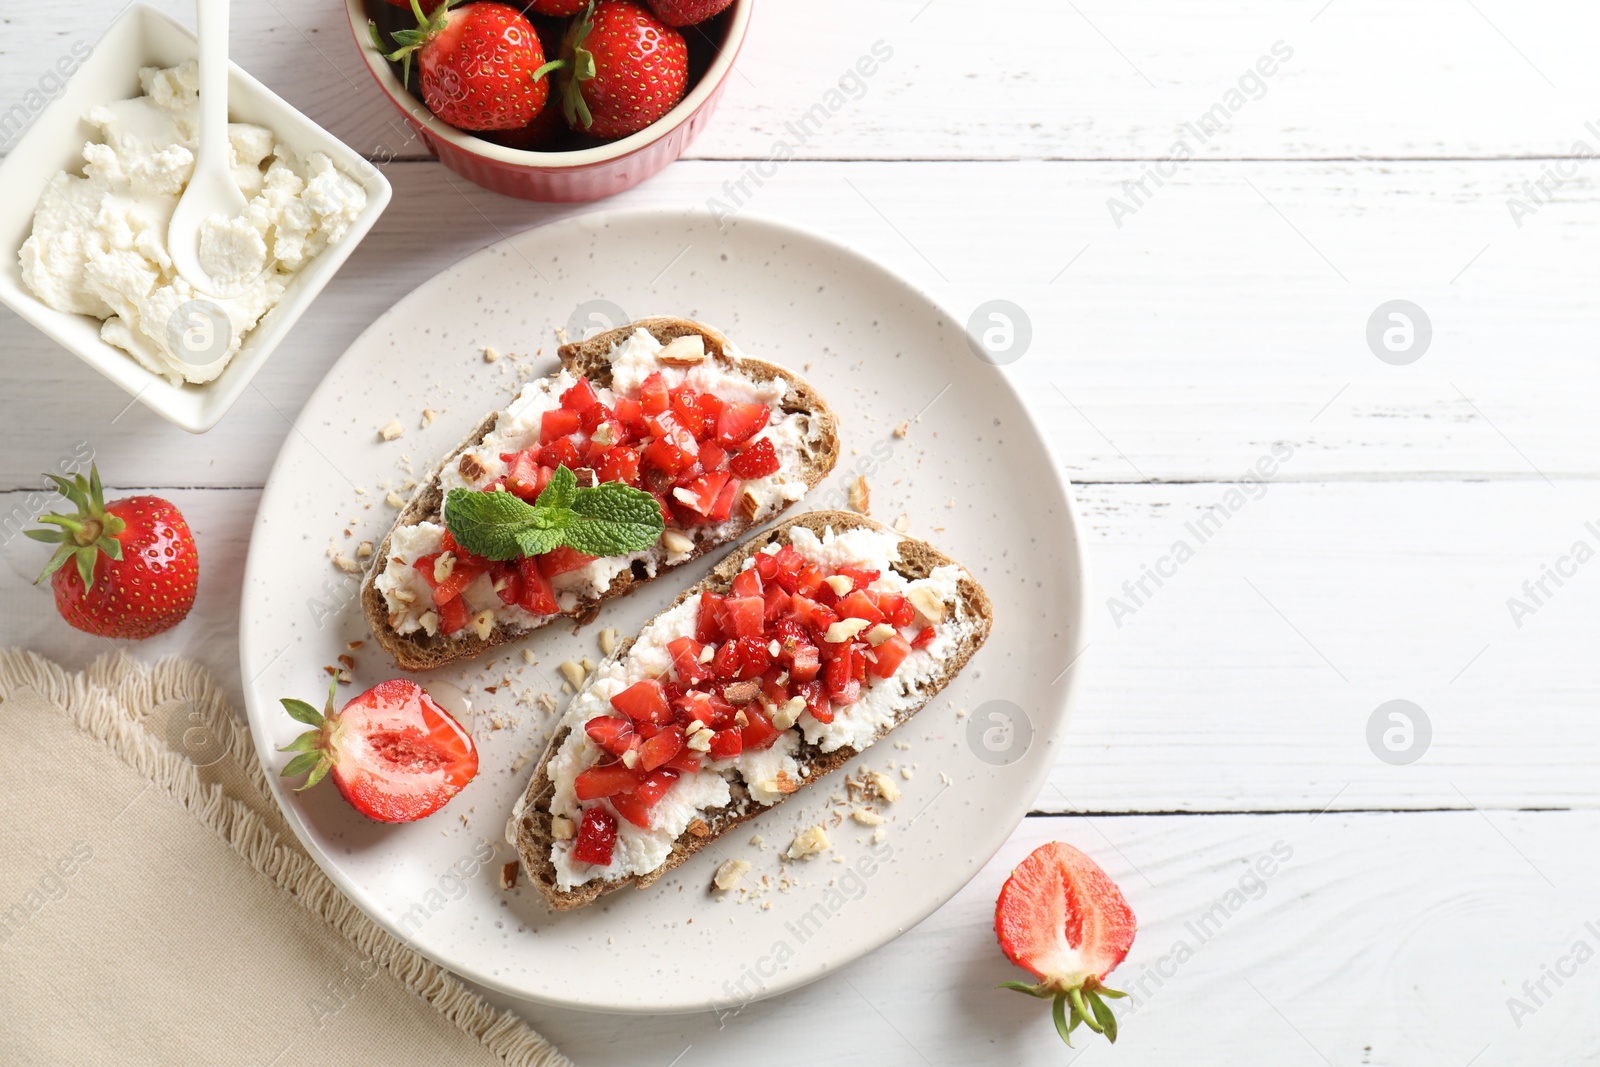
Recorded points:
(134, 568)
(558, 8)
(481, 65)
(627, 69)
(687, 12)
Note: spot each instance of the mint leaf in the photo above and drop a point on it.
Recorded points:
(605, 520)
(498, 525)
(558, 491)
(613, 519)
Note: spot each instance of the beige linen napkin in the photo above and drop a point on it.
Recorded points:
(154, 907)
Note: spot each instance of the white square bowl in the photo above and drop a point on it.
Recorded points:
(144, 37)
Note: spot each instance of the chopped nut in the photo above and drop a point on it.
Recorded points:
(902, 524)
(878, 835)
(785, 716)
(527, 656)
(405, 596)
(905, 772)
(630, 758)
(708, 653)
(390, 430)
(508, 874)
(866, 818)
(883, 785)
(743, 692)
(809, 842)
(730, 874)
(843, 630)
(561, 828)
(573, 673)
(927, 603)
(880, 633)
(346, 564)
(429, 621)
(490, 353)
(428, 415)
(483, 624)
(676, 542)
(757, 840)
(699, 828)
(773, 648)
(860, 496)
(699, 741)
(749, 506)
(443, 566)
(353, 645)
(470, 467)
(902, 429)
(346, 660)
(841, 584)
(364, 550)
(685, 351)
(586, 477)
(740, 719)
(394, 500)
(783, 784)
(608, 640)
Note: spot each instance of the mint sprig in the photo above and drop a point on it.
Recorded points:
(603, 520)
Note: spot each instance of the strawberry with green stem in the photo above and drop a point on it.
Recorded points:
(623, 69)
(134, 567)
(1063, 918)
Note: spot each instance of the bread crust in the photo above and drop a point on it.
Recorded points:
(529, 826)
(419, 652)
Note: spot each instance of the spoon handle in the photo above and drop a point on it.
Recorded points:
(211, 18)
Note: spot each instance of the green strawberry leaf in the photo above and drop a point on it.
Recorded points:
(300, 711)
(301, 764)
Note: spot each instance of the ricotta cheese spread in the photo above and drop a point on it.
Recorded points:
(99, 240)
(632, 360)
(640, 850)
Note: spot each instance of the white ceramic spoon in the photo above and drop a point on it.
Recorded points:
(211, 189)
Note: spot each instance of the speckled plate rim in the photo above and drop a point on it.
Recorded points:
(1017, 799)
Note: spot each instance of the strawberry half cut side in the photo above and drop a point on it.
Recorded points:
(1061, 917)
(393, 752)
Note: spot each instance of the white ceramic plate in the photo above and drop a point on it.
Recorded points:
(974, 475)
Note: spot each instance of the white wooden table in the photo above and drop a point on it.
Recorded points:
(1215, 314)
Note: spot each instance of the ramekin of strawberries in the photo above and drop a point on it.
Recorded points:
(551, 99)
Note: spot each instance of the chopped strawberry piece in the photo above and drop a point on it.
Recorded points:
(712, 454)
(858, 605)
(757, 461)
(653, 398)
(524, 477)
(758, 733)
(621, 464)
(746, 583)
(557, 424)
(839, 678)
(809, 582)
(538, 595)
(709, 622)
(813, 615)
(685, 762)
(746, 615)
(816, 697)
(453, 615)
(597, 836)
(897, 610)
(685, 652)
(726, 744)
(644, 701)
(581, 397)
(671, 452)
(888, 656)
(860, 577)
(754, 657)
(635, 806)
(560, 453)
(563, 559)
(628, 412)
(700, 495)
(739, 422)
(724, 505)
(777, 603)
(661, 748)
(805, 662)
(603, 780)
(726, 663)
(611, 733)
(686, 406)
(424, 567)
(463, 574)
(924, 637)
(766, 567)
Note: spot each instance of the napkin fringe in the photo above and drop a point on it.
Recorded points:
(106, 701)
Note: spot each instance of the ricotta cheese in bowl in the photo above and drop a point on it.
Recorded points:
(98, 244)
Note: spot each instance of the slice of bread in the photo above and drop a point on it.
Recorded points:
(529, 827)
(417, 651)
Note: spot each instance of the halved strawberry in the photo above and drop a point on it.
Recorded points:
(1063, 918)
(393, 753)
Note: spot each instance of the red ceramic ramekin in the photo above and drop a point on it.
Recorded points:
(584, 174)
